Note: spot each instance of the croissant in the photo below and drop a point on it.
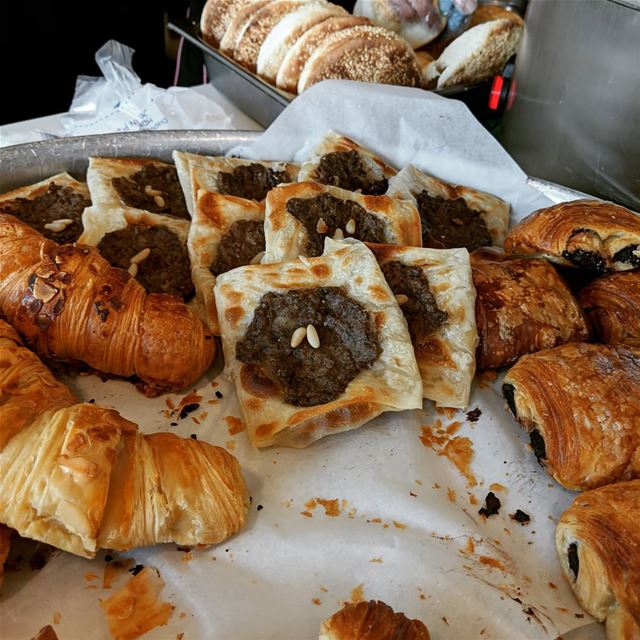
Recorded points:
(580, 404)
(612, 307)
(598, 541)
(79, 476)
(68, 303)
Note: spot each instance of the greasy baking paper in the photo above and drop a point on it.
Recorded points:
(389, 511)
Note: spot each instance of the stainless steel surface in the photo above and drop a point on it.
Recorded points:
(593, 631)
(27, 163)
(576, 116)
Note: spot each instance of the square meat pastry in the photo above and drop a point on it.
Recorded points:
(300, 216)
(226, 232)
(452, 216)
(435, 292)
(136, 185)
(315, 346)
(250, 179)
(341, 162)
(53, 207)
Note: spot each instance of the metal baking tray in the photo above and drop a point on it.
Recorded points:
(262, 101)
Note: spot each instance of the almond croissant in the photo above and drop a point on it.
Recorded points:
(68, 303)
(79, 476)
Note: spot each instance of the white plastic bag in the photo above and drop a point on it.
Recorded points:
(119, 101)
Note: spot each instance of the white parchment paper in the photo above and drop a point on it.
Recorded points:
(373, 513)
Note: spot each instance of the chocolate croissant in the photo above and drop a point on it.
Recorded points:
(68, 303)
(522, 306)
(590, 234)
(80, 477)
(612, 306)
(580, 404)
(598, 541)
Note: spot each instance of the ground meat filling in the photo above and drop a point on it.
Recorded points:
(56, 203)
(166, 269)
(336, 214)
(154, 188)
(630, 255)
(239, 246)
(252, 181)
(449, 224)
(309, 376)
(345, 169)
(420, 309)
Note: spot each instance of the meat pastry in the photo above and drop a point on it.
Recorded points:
(136, 185)
(315, 346)
(612, 306)
(80, 477)
(598, 541)
(580, 404)
(5, 545)
(52, 207)
(435, 292)
(373, 620)
(226, 232)
(300, 216)
(250, 179)
(522, 306)
(69, 304)
(452, 216)
(590, 234)
(340, 162)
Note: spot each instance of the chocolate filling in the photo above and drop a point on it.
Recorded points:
(420, 310)
(308, 376)
(574, 561)
(589, 260)
(58, 202)
(538, 445)
(252, 181)
(627, 255)
(239, 246)
(345, 169)
(448, 224)
(508, 391)
(139, 191)
(336, 214)
(166, 270)
(491, 506)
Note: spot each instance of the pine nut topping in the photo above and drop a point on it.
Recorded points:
(350, 227)
(159, 200)
(58, 225)
(322, 227)
(298, 336)
(140, 256)
(151, 192)
(402, 299)
(312, 336)
(339, 234)
(257, 258)
(133, 269)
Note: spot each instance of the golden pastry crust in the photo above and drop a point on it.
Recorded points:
(598, 542)
(522, 306)
(592, 234)
(70, 304)
(286, 237)
(612, 307)
(446, 359)
(391, 383)
(373, 620)
(581, 404)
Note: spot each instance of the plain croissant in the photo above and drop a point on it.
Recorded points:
(79, 476)
(68, 303)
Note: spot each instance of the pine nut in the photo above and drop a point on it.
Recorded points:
(58, 225)
(159, 200)
(140, 256)
(133, 269)
(312, 336)
(322, 227)
(339, 234)
(151, 192)
(257, 258)
(402, 299)
(298, 336)
(350, 227)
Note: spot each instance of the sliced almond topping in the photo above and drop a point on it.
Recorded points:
(350, 227)
(322, 227)
(312, 336)
(58, 225)
(141, 255)
(402, 299)
(339, 234)
(298, 336)
(44, 291)
(257, 258)
(133, 269)
(159, 200)
(151, 192)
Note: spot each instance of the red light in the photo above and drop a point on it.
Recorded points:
(496, 92)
